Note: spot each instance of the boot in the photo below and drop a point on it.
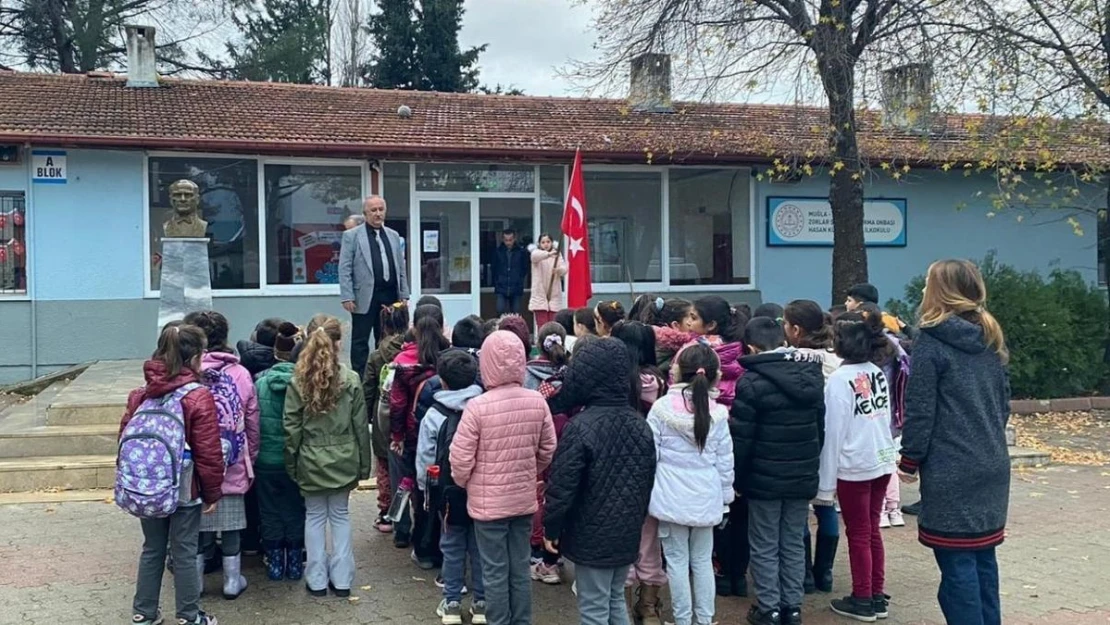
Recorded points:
(809, 585)
(647, 610)
(627, 600)
(294, 563)
(275, 562)
(234, 582)
(823, 558)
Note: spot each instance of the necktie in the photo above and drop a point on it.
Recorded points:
(381, 251)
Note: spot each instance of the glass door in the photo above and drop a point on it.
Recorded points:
(446, 247)
(501, 219)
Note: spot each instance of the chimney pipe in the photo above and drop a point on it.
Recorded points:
(651, 83)
(141, 70)
(907, 92)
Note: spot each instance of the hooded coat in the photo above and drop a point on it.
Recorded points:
(506, 437)
(537, 372)
(239, 476)
(272, 386)
(202, 427)
(601, 480)
(957, 406)
(256, 357)
(547, 273)
(778, 425)
(667, 339)
(432, 423)
(407, 376)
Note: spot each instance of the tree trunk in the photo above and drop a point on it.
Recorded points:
(849, 266)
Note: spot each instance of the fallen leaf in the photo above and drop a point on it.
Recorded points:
(1035, 495)
(352, 599)
(1030, 586)
(419, 579)
(1073, 492)
(367, 587)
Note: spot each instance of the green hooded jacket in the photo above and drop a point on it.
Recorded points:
(327, 453)
(271, 411)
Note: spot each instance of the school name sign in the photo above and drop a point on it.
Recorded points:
(807, 221)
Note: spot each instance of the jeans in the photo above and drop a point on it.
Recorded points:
(459, 544)
(828, 523)
(648, 568)
(252, 533)
(507, 304)
(778, 556)
(339, 569)
(426, 530)
(969, 587)
(861, 503)
(282, 508)
(601, 595)
(506, 570)
(731, 543)
(178, 534)
(689, 549)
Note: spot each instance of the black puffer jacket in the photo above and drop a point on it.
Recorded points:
(778, 425)
(256, 357)
(604, 469)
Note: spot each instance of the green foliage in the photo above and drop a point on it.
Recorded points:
(284, 41)
(417, 47)
(393, 31)
(1056, 328)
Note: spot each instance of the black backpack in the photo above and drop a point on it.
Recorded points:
(450, 499)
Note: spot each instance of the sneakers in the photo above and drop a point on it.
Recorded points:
(383, 524)
(342, 593)
(440, 583)
(759, 617)
(548, 574)
(139, 619)
(316, 593)
(884, 520)
(881, 605)
(202, 619)
(791, 616)
(422, 563)
(896, 518)
(449, 613)
(402, 541)
(574, 587)
(478, 613)
(862, 610)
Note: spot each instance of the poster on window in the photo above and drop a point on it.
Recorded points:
(807, 221)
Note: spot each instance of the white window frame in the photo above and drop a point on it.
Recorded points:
(28, 234)
(265, 289)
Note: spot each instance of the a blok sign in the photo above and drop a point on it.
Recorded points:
(48, 166)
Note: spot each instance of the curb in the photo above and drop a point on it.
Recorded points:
(1069, 404)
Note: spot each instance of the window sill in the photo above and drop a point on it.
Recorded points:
(15, 297)
(305, 290)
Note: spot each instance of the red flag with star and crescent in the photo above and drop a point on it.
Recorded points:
(579, 284)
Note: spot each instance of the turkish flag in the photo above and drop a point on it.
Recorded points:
(579, 284)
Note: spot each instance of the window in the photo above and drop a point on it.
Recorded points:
(13, 243)
(395, 190)
(624, 210)
(475, 178)
(306, 206)
(710, 226)
(551, 200)
(228, 202)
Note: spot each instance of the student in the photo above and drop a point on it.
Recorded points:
(769, 310)
(647, 381)
(257, 352)
(505, 439)
(457, 372)
(642, 305)
(867, 294)
(280, 501)
(858, 459)
(809, 330)
(778, 430)
(174, 371)
(327, 451)
(394, 324)
(237, 407)
(565, 318)
(517, 325)
(468, 334)
(606, 315)
(585, 323)
(693, 480)
(671, 313)
(719, 324)
(958, 399)
(548, 268)
(600, 484)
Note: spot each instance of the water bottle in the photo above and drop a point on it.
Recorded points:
(185, 479)
(433, 476)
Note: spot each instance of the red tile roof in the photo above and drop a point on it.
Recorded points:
(247, 117)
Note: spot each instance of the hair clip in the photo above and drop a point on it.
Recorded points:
(659, 304)
(551, 340)
(700, 371)
(779, 320)
(732, 310)
(613, 304)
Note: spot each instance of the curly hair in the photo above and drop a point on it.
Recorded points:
(317, 373)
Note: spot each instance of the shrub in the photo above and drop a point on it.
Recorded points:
(1056, 329)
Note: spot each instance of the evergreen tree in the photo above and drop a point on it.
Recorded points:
(443, 66)
(393, 32)
(284, 41)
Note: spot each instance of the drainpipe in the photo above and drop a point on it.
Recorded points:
(32, 245)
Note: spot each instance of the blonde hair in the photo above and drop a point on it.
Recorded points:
(317, 372)
(956, 287)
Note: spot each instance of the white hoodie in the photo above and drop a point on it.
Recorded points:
(858, 445)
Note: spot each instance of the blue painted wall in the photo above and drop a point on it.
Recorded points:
(14, 177)
(88, 232)
(935, 228)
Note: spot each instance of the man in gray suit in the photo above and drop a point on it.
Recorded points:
(371, 275)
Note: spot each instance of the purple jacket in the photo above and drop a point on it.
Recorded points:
(239, 476)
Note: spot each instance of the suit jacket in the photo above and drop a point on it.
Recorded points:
(356, 273)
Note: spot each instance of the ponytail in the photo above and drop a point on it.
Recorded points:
(317, 373)
(698, 366)
(395, 318)
(550, 340)
(428, 331)
(179, 344)
(215, 327)
(992, 332)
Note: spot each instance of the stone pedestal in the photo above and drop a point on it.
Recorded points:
(186, 281)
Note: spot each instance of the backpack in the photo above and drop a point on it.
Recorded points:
(232, 416)
(450, 497)
(901, 370)
(151, 454)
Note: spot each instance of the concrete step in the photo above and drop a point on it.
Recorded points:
(103, 495)
(1029, 458)
(73, 440)
(98, 396)
(57, 473)
(107, 412)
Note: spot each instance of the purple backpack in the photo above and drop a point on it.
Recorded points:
(229, 409)
(151, 454)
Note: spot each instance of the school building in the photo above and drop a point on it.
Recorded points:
(674, 201)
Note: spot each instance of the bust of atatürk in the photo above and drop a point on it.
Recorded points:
(185, 223)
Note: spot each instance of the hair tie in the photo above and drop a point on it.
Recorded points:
(613, 305)
(659, 304)
(321, 329)
(551, 340)
(732, 310)
(700, 371)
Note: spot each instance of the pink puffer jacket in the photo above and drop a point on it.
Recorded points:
(239, 476)
(506, 437)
